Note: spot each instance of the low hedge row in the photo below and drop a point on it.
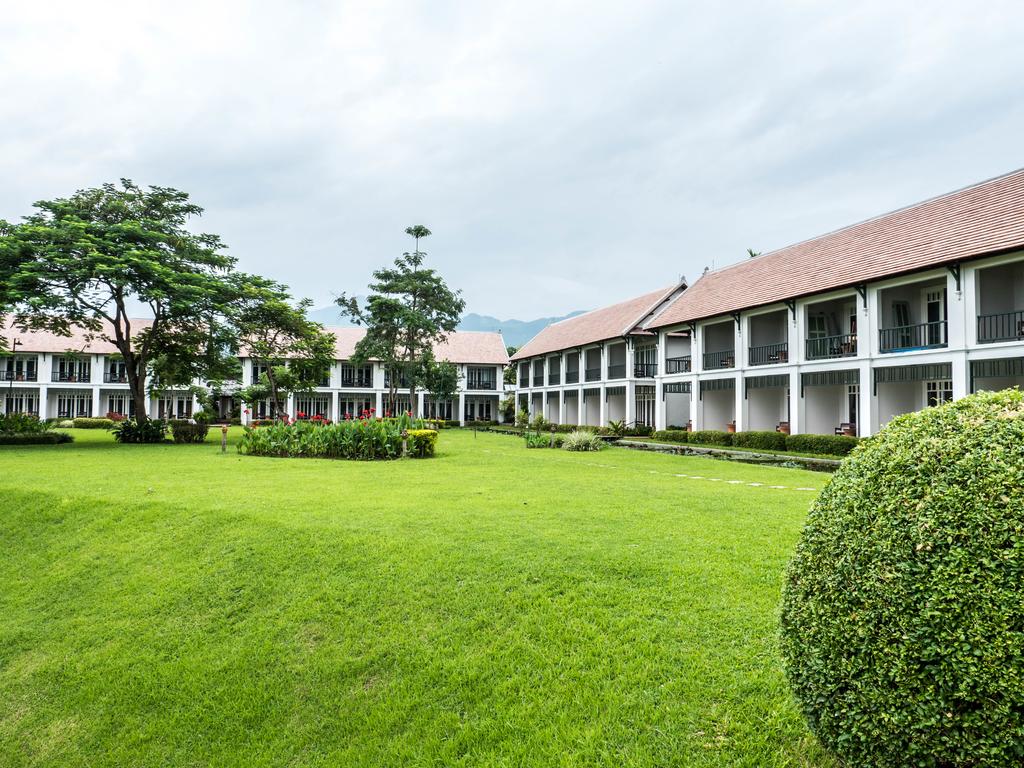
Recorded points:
(187, 432)
(421, 442)
(831, 445)
(35, 438)
(91, 423)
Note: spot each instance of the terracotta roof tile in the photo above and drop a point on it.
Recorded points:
(44, 341)
(482, 347)
(974, 221)
(596, 325)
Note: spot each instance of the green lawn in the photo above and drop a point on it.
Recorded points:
(169, 605)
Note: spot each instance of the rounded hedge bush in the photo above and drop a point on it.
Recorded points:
(903, 611)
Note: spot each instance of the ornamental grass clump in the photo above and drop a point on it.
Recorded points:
(364, 439)
(582, 440)
(902, 617)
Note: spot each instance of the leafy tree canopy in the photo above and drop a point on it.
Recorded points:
(409, 309)
(86, 260)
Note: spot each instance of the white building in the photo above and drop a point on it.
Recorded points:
(839, 333)
(64, 377)
(481, 358)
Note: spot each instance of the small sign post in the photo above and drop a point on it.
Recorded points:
(223, 438)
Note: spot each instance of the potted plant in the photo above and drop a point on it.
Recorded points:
(730, 427)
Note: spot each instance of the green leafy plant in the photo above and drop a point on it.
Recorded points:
(34, 438)
(762, 441)
(132, 431)
(523, 418)
(421, 442)
(709, 437)
(672, 435)
(833, 445)
(92, 423)
(537, 440)
(366, 439)
(189, 432)
(582, 440)
(539, 423)
(902, 613)
(617, 428)
(22, 424)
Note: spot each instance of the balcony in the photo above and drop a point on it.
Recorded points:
(554, 379)
(724, 359)
(617, 371)
(356, 382)
(538, 380)
(71, 376)
(481, 384)
(907, 338)
(1006, 326)
(593, 374)
(679, 364)
(572, 377)
(828, 347)
(645, 370)
(19, 376)
(769, 354)
(115, 377)
(524, 381)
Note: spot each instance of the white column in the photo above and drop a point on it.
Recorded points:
(44, 402)
(379, 402)
(630, 399)
(462, 408)
(956, 311)
(580, 413)
(96, 403)
(660, 405)
(740, 407)
(421, 406)
(290, 406)
(969, 288)
(796, 403)
(603, 412)
(867, 402)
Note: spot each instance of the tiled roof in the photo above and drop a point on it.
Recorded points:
(596, 325)
(44, 341)
(461, 347)
(978, 220)
(483, 347)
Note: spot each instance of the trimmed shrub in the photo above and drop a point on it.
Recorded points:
(187, 432)
(760, 441)
(421, 442)
(114, 416)
(66, 424)
(832, 445)
(201, 417)
(582, 440)
(710, 437)
(639, 430)
(132, 431)
(34, 438)
(902, 615)
(90, 423)
(672, 435)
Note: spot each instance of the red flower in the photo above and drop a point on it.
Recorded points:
(246, 411)
(408, 413)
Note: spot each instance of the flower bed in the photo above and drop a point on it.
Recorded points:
(364, 439)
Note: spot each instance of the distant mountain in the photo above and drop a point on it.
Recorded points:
(515, 332)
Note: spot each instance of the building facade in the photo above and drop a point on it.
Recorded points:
(67, 377)
(837, 334)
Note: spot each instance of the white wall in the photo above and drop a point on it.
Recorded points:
(616, 408)
(592, 409)
(677, 409)
(824, 409)
(765, 408)
(719, 409)
(897, 398)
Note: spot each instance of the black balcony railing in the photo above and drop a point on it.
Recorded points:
(593, 374)
(769, 354)
(538, 380)
(19, 376)
(645, 370)
(678, 364)
(478, 384)
(910, 337)
(832, 346)
(617, 371)
(356, 381)
(572, 377)
(1007, 326)
(66, 376)
(554, 378)
(115, 377)
(724, 359)
(524, 381)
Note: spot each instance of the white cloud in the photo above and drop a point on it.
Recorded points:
(565, 154)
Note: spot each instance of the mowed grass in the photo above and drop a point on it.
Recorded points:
(170, 605)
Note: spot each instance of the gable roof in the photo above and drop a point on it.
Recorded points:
(483, 347)
(596, 325)
(982, 219)
(45, 341)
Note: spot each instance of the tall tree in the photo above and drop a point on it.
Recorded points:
(510, 370)
(294, 352)
(410, 308)
(88, 259)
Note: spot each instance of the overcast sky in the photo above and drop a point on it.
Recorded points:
(566, 155)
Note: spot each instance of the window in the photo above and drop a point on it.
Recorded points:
(21, 369)
(313, 405)
(72, 404)
(852, 398)
(438, 409)
(116, 372)
(177, 405)
(482, 378)
(71, 369)
(400, 404)
(352, 376)
(478, 410)
(938, 392)
(121, 403)
(935, 314)
(817, 326)
(22, 402)
(645, 406)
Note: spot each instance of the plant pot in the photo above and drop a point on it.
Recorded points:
(730, 427)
